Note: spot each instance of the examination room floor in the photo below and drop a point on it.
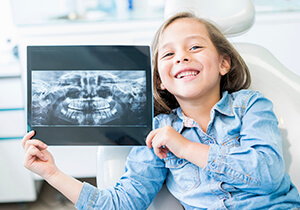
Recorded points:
(48, 199)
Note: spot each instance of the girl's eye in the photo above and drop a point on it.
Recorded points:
(167, 55)
(195, 47)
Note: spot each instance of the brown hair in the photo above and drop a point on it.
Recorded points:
(236, 79)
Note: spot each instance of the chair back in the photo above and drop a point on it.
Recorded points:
(282, 87)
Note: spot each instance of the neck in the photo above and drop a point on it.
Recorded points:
(199, 110)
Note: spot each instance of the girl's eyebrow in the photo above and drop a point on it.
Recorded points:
(197, 36)
(165, 46)
(191, 37)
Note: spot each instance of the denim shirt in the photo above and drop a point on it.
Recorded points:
(245, 167)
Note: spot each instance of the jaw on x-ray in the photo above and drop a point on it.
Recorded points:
(88, 98)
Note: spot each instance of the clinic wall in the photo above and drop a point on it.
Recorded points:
(279, 33)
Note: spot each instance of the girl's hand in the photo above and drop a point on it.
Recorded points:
(37, 158)
(167, 139)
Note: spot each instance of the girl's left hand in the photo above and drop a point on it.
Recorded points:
(166, 139)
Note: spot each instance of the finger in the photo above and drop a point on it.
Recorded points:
(159, 147)
(160, 152)
(26, 137)
(165, 150)
(36, 143)
(34, 152)
(156, 151)
(150, 137)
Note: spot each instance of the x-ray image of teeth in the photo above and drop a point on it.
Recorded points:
(88, 98)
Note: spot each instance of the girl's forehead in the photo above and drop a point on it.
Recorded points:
(183, 28)
(187, 23)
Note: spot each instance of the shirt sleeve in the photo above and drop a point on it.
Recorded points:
(256, 165)
(144, 176)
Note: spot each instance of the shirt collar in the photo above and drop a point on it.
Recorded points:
(186, 121)
(223, 106)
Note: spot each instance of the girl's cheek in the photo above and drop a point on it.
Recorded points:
(163, 66)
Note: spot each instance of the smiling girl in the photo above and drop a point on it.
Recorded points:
(214, 143)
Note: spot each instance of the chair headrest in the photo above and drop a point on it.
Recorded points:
(232, 17)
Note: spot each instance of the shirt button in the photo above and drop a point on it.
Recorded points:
(213, 165)
(179, 161)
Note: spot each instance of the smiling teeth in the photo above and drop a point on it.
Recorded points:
(186, 74)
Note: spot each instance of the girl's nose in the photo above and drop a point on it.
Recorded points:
(182, 59)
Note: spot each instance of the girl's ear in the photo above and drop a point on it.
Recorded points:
(225, 64)
(162, 87)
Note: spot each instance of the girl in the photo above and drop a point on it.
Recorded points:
(215, 144)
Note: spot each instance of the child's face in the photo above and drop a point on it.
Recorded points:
(188, 63)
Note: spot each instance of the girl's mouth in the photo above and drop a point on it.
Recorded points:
(186, 74)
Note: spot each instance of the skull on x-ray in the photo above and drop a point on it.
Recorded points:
(88, 98)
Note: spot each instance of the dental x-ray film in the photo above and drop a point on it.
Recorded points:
(89, 95)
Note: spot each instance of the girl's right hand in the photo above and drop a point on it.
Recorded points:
(37, 158)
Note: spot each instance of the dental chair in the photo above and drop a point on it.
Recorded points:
(269, 76)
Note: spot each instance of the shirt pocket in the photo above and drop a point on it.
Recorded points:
(184, 173)
(231, 141)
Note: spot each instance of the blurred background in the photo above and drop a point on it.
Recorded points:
(94, 22)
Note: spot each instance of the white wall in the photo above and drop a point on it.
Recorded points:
(278, 33)
(16, 183)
